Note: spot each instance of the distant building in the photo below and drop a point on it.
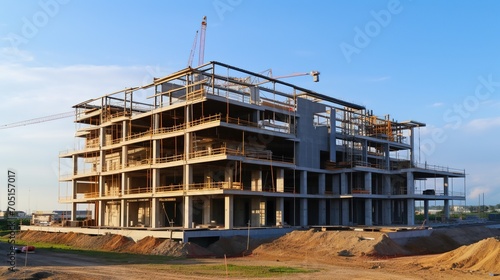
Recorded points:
(42, 218)
(17, 214)
(65, 215)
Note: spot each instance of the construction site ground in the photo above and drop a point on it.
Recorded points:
(458, 252)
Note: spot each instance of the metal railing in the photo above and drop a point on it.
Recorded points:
(170, 159)
(170, 188)
(205, 120)
(215, 185)
(438, 168)
(133, 163)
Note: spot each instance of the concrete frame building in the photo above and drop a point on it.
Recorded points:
(217, 146)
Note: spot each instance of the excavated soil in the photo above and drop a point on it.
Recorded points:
(329, 244)
(465, 252)
(483, 256)
(118, 243)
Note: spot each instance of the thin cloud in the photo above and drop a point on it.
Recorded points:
(437, 104)
(483, 124)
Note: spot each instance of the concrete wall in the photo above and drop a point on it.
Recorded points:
(312, 139)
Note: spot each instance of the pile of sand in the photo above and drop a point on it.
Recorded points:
(449, 238)
(117, 243)
(327, 244)
(483, 256)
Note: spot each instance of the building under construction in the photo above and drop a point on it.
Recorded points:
(221, 147)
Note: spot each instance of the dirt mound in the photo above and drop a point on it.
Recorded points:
(483, 255)
(117, 243)
(446, 239)
(328, 244)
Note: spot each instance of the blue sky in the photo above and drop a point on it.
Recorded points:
(434, 62)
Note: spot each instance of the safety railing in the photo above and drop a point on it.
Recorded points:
(133, 163)
(170, 158)
(170, 188)
(215, 185)
(204, 120)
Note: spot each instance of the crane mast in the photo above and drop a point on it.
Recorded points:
(191, 55)
(202, 40)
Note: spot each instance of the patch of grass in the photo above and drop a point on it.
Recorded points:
(244, 271)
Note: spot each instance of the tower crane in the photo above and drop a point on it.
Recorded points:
(201, 53)
(39, 120)
(193, 48)
(201, 56)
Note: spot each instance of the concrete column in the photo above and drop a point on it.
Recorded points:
(412, 146)
(334, 212)
(411, 211)
(101, 186)
(102, 141)
(303, 182)
(187, 174)
(127, 214)
(368, 182)
(445, 185)
(155, 213)
(188, 214)
(345, 212)
(343, 183)
(446, 209)
(256, 184)
(303, 212)
(280, 180)
(333, 139)
(100, 214)
(124, 159)
(321, 183)
(155, 179)
(410, 183)
(73, 211)
(280, 208)
(155, 172)
(228, 212)
(364, 150)
(322, 212)
(75, 164)
(426, 210)
(123, 221)
(368, 212)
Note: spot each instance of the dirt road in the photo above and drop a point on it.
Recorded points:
(47, 264)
